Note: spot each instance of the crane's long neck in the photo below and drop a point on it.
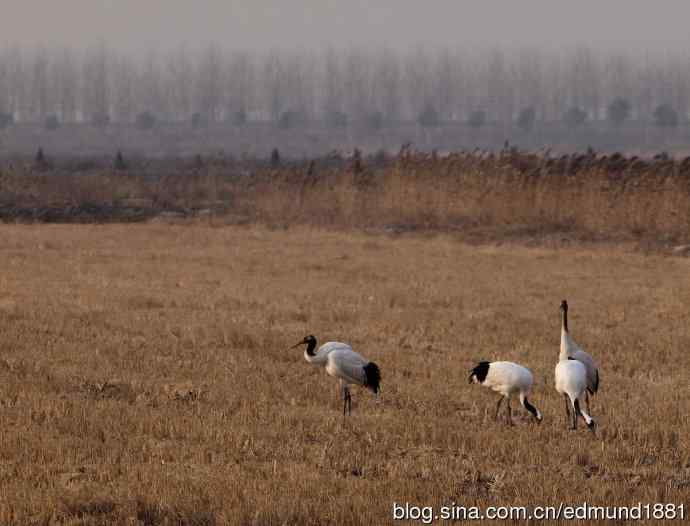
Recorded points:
(564, 320)
(314, 356)
(565, 336)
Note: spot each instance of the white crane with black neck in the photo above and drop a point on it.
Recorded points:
(571, 377)
(506, 378)
(570, 349)
(341, 362)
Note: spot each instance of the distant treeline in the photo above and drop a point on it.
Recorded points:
(522, 88)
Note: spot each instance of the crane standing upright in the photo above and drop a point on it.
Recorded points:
(341, 362)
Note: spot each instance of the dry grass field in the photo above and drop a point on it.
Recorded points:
(145, 377)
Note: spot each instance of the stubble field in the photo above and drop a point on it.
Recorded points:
(145, 377)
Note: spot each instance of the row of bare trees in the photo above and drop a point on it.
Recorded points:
(524, 86)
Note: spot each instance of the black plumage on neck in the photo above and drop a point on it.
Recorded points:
(311, 346)
(564, 314)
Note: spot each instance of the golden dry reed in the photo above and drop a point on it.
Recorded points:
(599, 197)
(145, 377)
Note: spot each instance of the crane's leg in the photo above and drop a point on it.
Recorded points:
(498, 406)
(587, 402)
(575, 415)
(567, 408)
(510, 414)
(348, 400)
(343, 395)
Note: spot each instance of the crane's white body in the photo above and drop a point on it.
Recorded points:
(570, 349)
(507, 379)
(576, 374)
(341, 362)
(571, 381)
(571, 378)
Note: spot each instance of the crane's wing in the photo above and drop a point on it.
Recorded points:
(334, 346)
(347, 365)
(591, 367)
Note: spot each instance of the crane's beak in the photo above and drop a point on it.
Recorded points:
(296, 345)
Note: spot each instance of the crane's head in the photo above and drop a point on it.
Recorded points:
(564, 306)
(308, 340)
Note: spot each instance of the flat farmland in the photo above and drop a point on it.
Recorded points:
(145, 376)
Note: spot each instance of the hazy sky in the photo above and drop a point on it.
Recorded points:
(266, 24)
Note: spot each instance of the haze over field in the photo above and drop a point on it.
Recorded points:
(330, 75)
(266, 24)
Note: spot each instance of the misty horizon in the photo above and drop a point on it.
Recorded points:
(357, 73)
(131, 26)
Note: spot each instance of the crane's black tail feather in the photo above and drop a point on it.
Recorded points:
(595, 387)
(373, 376)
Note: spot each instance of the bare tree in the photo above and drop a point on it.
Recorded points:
(5, 105)
(95, 104)
(473, 92)
(619, 82)
(530, 84)
(583, 81)
(418, 75)
(241, 84)
(332, 88)
(388, 88)
(299, 91)
(557, 82)
(123, 81)
(273, 84)
(18, 84)
(677, 76)
(178, 80)
(38, 99)
(500, 90)
(445, 77)
(209, 86)
(642, 95)
(358, 99)
(65, 82)
(153, 96)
